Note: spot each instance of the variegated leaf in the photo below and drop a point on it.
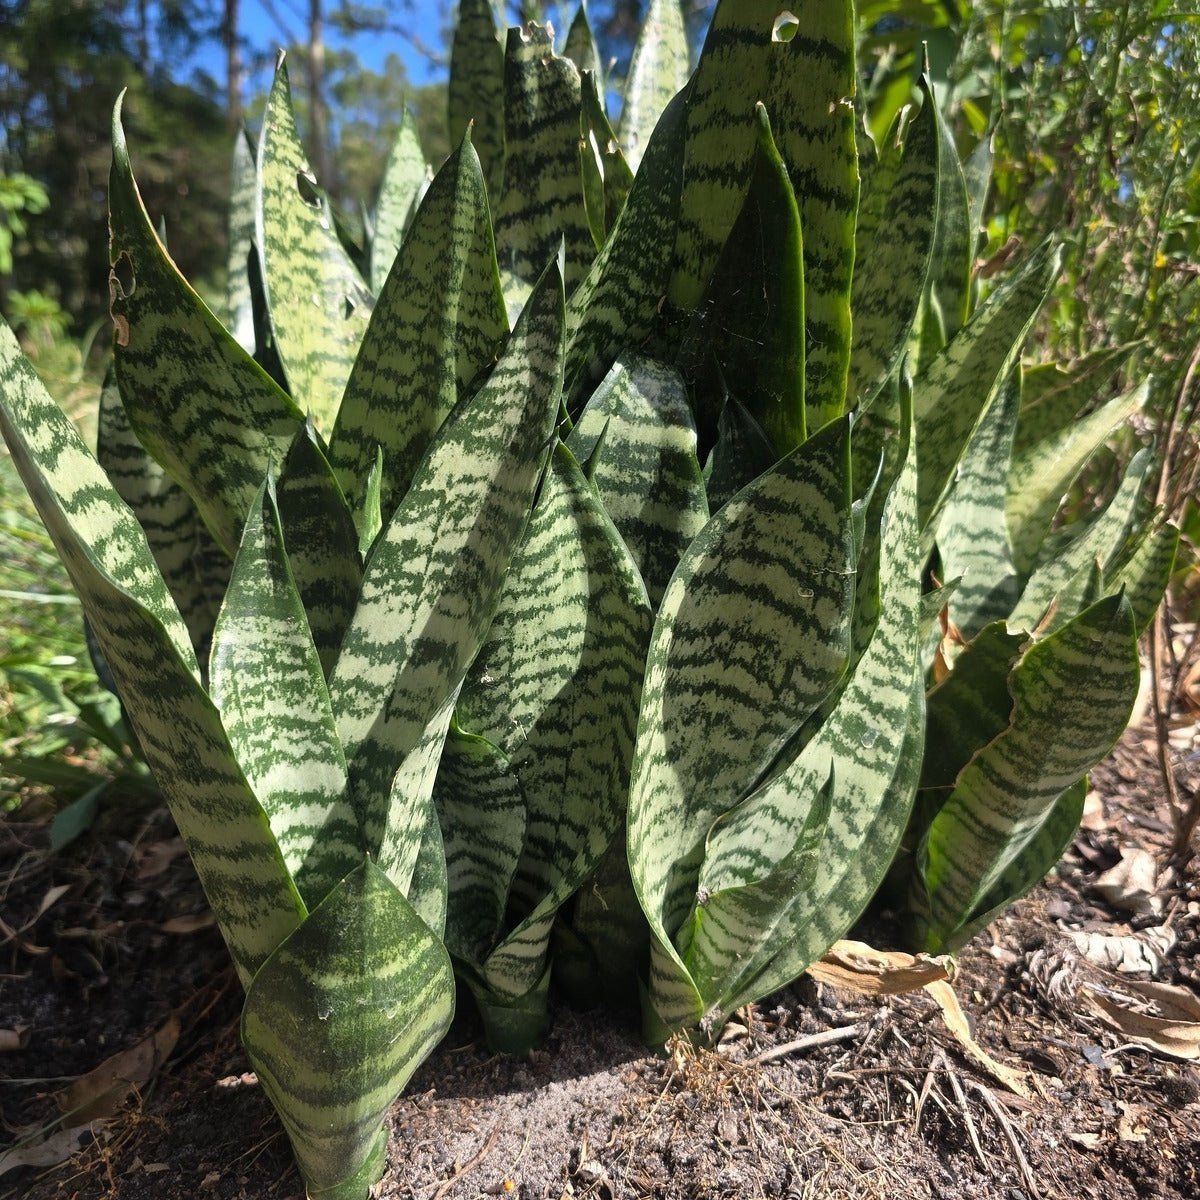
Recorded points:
(807, 82)
(267, 684)
(150, 655)
(1146, 574)
(659, 68)
(742, 452)
(436, 328)
(319, 304)
(337, 1020)
(606, 176)
(581, 48)
(639, 440)
(1072, 694)
(239, 304)
(541, 204)
(954, 240)
(1042, 473)
(197, 401)
(433, 581)
(960, 384)
(405, 178)
(477, 88)
(753, 633)
(892, 253)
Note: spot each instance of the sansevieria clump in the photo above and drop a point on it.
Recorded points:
(605, 575)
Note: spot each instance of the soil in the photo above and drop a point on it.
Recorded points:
(888, 1104)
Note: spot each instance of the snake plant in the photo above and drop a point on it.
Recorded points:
(550, 587)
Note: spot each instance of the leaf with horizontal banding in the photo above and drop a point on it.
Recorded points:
(541, 202)
(752, 634)
(616, 306)
(807, 84)
(149, 652)
(1144, 577)
(1051, 397)
(972, 533)
(405, 177)
(192, 567)
(977, 174)
(892, 253)
(370, 516)
(606, 176)
(197, 401)
(433, 580)
(428, 887)
(646, 473)
(337, 1020)
(659, 68)
(1076, 547)
(1042, 473)
(752, 318)
(556, 686)
(955, 391)
(483, 817)
(436, 328)
(581, 48)
(864, 753)
(476, 88)
(239, 304)
(742, 452)
(268, 687)
(318, 302)
(321, 543)
(1072, 693)
(953, 251)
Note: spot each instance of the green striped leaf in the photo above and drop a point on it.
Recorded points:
(1042, 473)
(321, 544)
(405, 177)
(807, 84)
(894, 239)
(541, 203)
(436, 328)
(196, 400)
(581, 48)
(429, 887)
(1074, 549)
(476, 90)
(319, 304)
(483, 818)
(150, 655)
(1144, 578)
(337, 1020)
(433, 581)
(973, 533)
(556, 686)
(960, 384)
(742, 452)
(752, 319)
(753, 633)
(606, 176)
(639, 439)
(659, 68)
(977, 174)
(1072, 693)
(239, 303)
(1051, 397)
(194, 570)
(616, 306)
(954, 240)
(267, 685)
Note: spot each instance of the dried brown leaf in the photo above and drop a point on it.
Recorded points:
(189, 923)
(857, 967)
(16, 1038)
(1167, 1020)
(957, 1023)
(55, 1149)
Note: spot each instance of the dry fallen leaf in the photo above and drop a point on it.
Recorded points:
(956, 1022)
(860, 968)
(1132, 885)
(155, 858)
(98, 1094)
(55, 1149)
(1127, 954)
(1131, 1127)
(16, 1038)
(189, 923)
(1168, 1021)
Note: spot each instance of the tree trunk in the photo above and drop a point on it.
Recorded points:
(233, 65)
(322, 163)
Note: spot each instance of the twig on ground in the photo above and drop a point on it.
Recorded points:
(468, 1166)
(968, 1120)
(826, 1037)
(997, 1110)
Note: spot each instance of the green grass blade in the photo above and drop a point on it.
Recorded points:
(405, 176)
(150, 654)
(955, 391)
(646, 471)
(267, 685)
(434, 576)
(753, 633)
(1042, 473)
(541, 203)
(476, 91)
(437, 325)
(245, 420)
(1072, 694)
(892, 253)
(319, 304)
(337, 1020)
(658, 69)
(239, 304)
(807, 84)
